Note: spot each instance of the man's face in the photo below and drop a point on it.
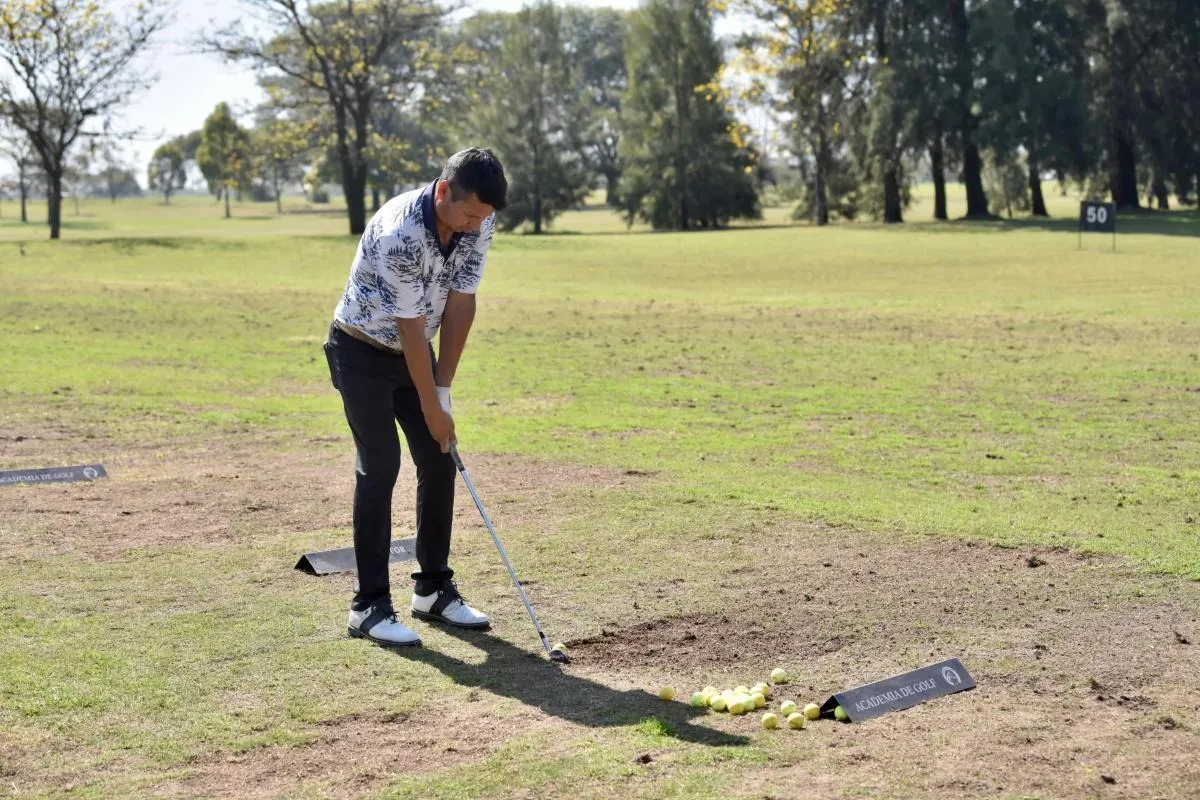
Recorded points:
(460, 216)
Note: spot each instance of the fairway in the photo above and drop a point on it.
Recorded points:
(848, 451)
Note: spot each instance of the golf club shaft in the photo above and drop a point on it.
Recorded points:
(462, 469)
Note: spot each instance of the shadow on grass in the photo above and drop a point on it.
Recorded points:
(531, 679)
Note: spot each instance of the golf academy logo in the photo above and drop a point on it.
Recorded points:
(90, 473)
(950, 676)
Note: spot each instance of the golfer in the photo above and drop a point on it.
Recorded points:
(418, 265)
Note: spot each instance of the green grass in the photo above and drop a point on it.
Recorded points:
(999, 386)
(982, 381)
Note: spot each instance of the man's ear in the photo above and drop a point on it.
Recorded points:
(441, 191)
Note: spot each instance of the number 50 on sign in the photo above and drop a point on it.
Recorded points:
(1096, 217)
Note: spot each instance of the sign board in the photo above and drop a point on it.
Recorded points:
(88, 472)
(902, 691)
(1097, 217)
(331, 561)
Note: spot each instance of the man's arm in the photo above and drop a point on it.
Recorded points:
(420, 367)
(457, 318)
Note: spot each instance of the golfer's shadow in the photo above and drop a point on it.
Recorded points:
(512, 672)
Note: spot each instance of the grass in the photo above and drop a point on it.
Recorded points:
(982, 381)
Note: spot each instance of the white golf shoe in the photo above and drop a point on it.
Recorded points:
(446, 605)
(378, 623)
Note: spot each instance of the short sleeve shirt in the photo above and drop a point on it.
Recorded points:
(401, 270)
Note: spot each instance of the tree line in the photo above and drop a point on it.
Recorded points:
(867, 97)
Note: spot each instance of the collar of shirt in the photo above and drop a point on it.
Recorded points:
(430, 219)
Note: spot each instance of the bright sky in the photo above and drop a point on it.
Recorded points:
(191, 84)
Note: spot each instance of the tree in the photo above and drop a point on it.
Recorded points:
(687, 163)
(224, 153)
(167, 171)
(801, 60)
(117, 176)
(280, 145)
(966, 109)
(69, 63)
(355, 54)
(15, 146)
(595, 41)
(1035, 97)
(534, 116)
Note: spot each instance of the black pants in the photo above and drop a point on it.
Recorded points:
(377, 392)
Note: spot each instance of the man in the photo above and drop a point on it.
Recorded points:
(417, 267)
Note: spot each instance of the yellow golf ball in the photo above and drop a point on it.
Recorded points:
(718, 703)
(812, 711)
(787, 707)
(770, 721)
(779, 675)
(666, 693)
(796, 721)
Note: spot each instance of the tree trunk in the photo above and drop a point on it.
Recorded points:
(1159, 187)
(892, 208)
(977, 202)
(1035, 190)
(821, 179)
(167, 196)
(977, 205)
(1124, 175)
(937, 160)
(354, 167)
(23, 187)
(611, 197)
(374, 199)
(275, 186)
(354, 187)
(75, 197)
(54, 203)
(227, 202)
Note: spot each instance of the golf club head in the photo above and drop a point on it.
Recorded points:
(559, 657)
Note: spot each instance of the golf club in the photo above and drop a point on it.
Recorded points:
(556, 655)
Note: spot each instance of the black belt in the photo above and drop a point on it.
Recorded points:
(355, 333)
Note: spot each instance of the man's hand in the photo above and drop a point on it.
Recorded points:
(441, 427)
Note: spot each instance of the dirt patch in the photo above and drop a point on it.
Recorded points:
(1081, 667)
(222, 491)
(350, 756)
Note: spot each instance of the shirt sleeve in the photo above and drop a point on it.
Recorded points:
(470, 273)
(399, 268)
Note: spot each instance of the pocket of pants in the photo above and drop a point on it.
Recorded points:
(332, 360)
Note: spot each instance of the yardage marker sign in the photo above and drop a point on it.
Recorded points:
(1097, 217)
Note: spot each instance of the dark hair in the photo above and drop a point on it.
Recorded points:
(477, 171)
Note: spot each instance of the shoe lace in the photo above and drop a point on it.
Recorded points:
(450, 588)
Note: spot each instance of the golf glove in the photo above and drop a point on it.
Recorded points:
(443, 393)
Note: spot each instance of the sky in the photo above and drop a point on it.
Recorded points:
(190, 83)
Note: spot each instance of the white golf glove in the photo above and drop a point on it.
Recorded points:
(443, 393)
